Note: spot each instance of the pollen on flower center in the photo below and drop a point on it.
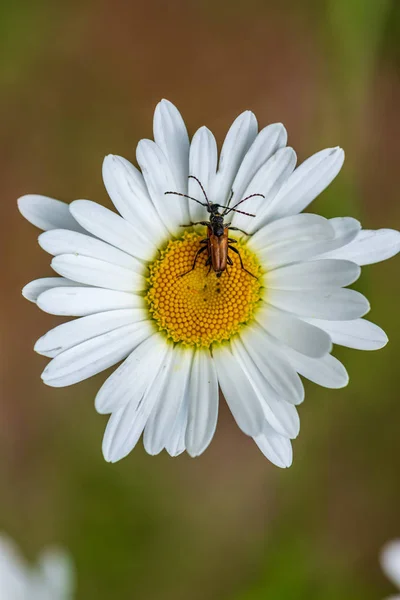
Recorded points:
(199, 308)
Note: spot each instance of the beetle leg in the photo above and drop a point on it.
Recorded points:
(241, 262)
(208, 262)
(229, 260)
(205, 241)
(232, 241)
(199, 251)
(241, 230)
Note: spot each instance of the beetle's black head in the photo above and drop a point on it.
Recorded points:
(213, 209)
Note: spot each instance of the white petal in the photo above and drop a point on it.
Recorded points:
(14, 572)
(158, 428)
(176, 443)
(277, 448)
(294, 332)
(33, 289)
(126, 187)
(239, 394)
(273, 365)
(121, 438)
(64, 241)
(172, 210)
(370, 247)
(304, 227)
(47, 213)
(390, 561)
(130, 381)
(57, 575)
(326, 371)
(359, 333)
(151, 399)
(325, 274)
(266, 181)
(203, 165)
(94, 355)
(71, 334)
(203, 403)
(98, 273)
(346, 229)
(9, 554)
(281, 246)
(112, 228)
(268, 141)
(306, 183)
(238, 140)
(171, 136)
(339, 305)
(117, 426)
(82, 301)
(281, 415)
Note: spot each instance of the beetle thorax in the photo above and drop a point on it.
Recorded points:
(217, 224)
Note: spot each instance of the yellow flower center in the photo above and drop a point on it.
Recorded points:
(199, 308)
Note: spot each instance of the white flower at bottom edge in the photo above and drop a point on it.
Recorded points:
(51, 579)
(251, 333)
(390, 562)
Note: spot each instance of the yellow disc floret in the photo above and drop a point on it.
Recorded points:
(199, 308)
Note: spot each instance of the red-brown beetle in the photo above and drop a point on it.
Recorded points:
(217, 243)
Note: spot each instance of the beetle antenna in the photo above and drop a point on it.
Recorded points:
(228, 209)
(202, 188)
(230, 198)
(241, 212)
(186, 196)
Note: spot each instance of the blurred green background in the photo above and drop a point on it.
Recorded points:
(79, 80)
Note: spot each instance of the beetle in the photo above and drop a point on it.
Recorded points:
(217, 243)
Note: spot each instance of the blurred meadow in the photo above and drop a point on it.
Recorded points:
(79, 80)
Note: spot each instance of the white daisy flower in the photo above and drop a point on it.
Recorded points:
(390, 561)
(251, 331)
(51, 579)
